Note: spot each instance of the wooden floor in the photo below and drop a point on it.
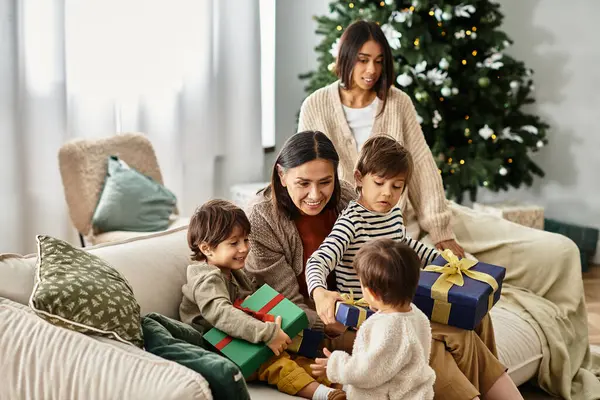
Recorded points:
(591, 286)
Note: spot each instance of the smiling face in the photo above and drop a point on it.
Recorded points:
(368, 67)
(379, 194)
(230, 253)
(310, 185)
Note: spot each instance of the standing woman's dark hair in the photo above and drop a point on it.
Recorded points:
(357, 34)
(299, 149)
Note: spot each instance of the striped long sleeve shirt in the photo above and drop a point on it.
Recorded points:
(354, 227)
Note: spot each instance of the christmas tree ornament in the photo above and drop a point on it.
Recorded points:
(446, 91)
(539, 144)
(486, 132)
(404, 80)
(444, 64)
(392, 36)
(484, 81)
(503, 171)
(464, 11)
(514, 85)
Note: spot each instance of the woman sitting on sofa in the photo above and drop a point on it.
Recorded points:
(363, 103)
(292, 218)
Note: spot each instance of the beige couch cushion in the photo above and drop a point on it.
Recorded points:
(80, 367)
(16, 277)
(154, 265)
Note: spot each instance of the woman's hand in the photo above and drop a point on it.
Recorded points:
(281, 340)
(451, 245)
(325, 303)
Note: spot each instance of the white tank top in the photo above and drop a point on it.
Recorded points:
(361, 120)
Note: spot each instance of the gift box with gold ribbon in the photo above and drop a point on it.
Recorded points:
(458, 292)
(351, 312)
(264, 304)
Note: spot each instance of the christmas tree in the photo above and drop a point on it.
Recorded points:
(469, 95)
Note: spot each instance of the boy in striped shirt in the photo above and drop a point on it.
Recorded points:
(382, 173)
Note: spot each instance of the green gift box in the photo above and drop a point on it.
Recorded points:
(250, 356)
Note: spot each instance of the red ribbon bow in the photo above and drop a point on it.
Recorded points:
(259, 315)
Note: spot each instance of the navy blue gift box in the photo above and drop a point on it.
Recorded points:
(307, 343)
(351, 315)
(467, 304)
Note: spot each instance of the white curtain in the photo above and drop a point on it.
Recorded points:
(185, 72)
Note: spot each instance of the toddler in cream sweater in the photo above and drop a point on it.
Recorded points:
(390, 357)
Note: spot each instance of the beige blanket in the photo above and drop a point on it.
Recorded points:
(544, 286)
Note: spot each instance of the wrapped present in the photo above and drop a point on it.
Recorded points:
(307, 343)
(458, 292)
(352, 313)
(520, 213)
(263, 304)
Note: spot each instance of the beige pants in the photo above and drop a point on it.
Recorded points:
(543, 281)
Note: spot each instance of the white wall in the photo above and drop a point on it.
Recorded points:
(557, 39)
(294, 54)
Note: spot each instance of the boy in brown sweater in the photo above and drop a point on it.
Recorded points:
(218, 238)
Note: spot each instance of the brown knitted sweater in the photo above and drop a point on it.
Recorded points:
(276, 251)
(323, 111)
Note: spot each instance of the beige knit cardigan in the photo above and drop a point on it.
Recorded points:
(323, 111)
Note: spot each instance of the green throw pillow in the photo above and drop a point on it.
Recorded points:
(79, 291)
(131, 201)
(178, 342)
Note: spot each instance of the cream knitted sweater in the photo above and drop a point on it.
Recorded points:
(390, 359)
(323, 111)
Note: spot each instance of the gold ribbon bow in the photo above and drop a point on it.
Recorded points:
(361, 303)
(452, 274)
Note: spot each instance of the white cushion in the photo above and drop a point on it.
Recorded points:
(154, 265)
(519, 347)
(36, 353)
(16, 277)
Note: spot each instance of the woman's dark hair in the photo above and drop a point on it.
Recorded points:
(357, 34)
(299, 149)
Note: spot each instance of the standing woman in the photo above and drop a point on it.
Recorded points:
(292, 217)
(364, 102)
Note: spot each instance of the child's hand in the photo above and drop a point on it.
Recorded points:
(281, 340)
(452, 245)
(320, 367)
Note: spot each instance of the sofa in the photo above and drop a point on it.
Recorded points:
(39, 360)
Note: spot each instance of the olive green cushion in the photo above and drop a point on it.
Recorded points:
(79, 291)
